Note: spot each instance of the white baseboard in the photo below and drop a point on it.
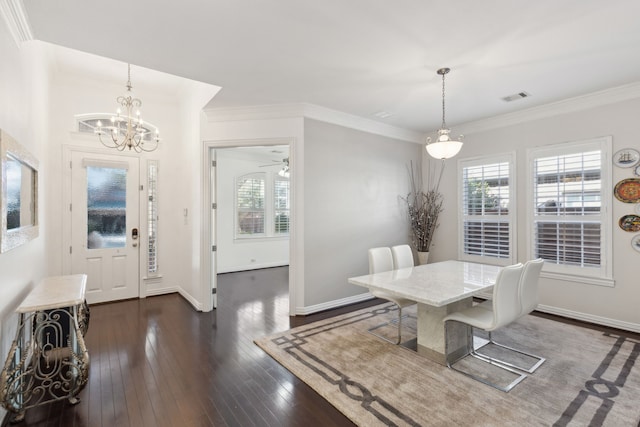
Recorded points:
(172, 289)
(190, 299)
(585, 317)
(598, 320)
(303, 311)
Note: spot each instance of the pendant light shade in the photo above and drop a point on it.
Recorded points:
(444, 147)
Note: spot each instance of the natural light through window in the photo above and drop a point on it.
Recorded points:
(488, 208)
(569, 198)
(250, 205)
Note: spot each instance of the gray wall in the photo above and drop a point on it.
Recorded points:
(352, 188)
(615, 306)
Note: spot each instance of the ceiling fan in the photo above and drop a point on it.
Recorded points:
(284, 172)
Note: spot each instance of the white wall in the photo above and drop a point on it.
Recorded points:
(354, 182)
(76, 94)
(243, 254)
(23, 92)
(616, 306)
(187, 163)
(175, 113)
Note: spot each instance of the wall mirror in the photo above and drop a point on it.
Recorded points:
(19, 202)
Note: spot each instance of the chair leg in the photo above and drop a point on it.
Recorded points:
(530, 370)
(398, 321)
(399, 325)
(473, 353)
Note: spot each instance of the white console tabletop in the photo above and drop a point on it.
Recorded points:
(55, 292)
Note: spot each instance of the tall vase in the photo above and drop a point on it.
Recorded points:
(423, 257)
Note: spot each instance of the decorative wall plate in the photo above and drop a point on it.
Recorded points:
(635, 243)
(636, 170)
(628, 190)
(626, 158)
(630, 223)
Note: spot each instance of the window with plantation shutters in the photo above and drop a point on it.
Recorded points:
(487, 201)
(250, 205)
(281, 206)
(570, 198)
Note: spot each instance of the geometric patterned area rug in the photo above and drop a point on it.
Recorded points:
(590, 378)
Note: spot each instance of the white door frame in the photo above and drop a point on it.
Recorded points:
(67, 151)
(295, 250)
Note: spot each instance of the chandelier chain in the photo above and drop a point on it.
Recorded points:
(129, 85)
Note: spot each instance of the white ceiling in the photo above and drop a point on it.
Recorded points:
(364, 56)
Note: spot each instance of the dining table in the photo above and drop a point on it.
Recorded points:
(439, 289)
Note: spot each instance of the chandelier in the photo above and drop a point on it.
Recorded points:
(128, 130)
(443, 147)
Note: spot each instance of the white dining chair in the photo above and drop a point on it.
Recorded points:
(505, 309)
(402, 257)
(380, 260)
(528, 301)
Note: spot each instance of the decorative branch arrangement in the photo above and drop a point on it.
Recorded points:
(424, 208)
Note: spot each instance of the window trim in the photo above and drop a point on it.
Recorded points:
(512, 217)
(602, 276)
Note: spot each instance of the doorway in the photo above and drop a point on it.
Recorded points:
(250, 196)
(104, 218)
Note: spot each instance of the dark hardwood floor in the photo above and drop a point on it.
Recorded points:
(158, 362)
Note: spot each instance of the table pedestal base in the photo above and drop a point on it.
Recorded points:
(431, 332)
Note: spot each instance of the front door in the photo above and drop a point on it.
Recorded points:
(105, 237)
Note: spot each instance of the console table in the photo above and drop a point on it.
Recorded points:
(48, 359)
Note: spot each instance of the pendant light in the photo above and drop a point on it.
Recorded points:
(443, 147)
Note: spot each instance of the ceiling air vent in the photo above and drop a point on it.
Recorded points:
(516, 96)
(383, 114)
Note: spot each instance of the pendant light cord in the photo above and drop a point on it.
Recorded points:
(444, 125)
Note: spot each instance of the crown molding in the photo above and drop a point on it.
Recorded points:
(569, 105)
(315, 112)
(16, 19)
(254, 112)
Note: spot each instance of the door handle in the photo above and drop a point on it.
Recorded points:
(134, 233)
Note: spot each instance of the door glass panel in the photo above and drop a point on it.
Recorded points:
(106, 207)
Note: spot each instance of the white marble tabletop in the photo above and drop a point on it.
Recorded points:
(55, 292)
(436, 284)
